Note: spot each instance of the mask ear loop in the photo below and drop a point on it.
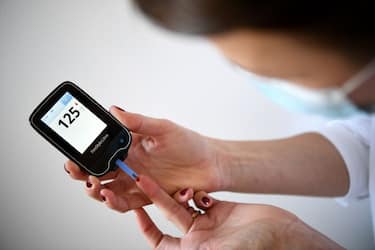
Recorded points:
(358, 79)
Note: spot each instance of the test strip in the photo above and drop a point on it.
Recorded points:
(126, 169)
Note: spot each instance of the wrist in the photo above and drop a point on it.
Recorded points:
(217, 175)
(223, 164)
(298, 235)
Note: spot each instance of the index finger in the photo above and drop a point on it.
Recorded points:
(138, 123)
(172, 210)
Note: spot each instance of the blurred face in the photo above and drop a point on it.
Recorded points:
(288, 56)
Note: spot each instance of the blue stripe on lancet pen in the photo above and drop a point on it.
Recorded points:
(126, 169)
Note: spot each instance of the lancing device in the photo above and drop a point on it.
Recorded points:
(83, 130)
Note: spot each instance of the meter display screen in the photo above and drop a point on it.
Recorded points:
(76, 124)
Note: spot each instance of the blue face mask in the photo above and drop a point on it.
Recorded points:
(330, 102)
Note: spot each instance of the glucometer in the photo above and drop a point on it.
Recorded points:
(83, 130)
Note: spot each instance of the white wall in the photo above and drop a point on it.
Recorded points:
(121, 59)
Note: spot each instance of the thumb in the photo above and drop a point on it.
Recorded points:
(138, 123)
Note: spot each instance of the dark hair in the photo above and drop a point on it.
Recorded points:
(345, 24)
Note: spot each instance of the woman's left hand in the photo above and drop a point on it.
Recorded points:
(224, 225)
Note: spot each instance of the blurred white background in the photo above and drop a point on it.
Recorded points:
(115, 54)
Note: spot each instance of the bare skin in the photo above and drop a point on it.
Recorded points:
(274, 166)
(157, 150)
(246, 226)
(215, 165)
(306, 164)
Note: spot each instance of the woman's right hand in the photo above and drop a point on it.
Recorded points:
(172, 155)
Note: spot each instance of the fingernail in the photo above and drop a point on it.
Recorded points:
(183, 191)
(88, 184)
(66, 170)
(205, 201)
(103, 197)
(119, 108)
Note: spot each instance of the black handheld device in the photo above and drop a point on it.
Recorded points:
(81, 129)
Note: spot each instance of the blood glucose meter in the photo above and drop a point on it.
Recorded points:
(82, 129)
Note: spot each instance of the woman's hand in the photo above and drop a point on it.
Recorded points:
(225, 225)
(174, 156)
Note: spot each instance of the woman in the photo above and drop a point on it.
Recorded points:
(326, 53)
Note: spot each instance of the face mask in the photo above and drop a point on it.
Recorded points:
(329, 102)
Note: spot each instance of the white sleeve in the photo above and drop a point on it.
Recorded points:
(352, 140)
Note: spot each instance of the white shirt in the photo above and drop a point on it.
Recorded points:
(355, 141)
